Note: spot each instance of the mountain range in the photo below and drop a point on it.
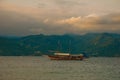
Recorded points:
(93, 44)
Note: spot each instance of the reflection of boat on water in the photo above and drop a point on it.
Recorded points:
(65, 56)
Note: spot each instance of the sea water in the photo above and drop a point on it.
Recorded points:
(42, 68)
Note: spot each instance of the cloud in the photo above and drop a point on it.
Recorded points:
(80, 21)
(26, 20)
(93, 23)
(68, 2)
(111, 19)
(71, 20)
(93, 19)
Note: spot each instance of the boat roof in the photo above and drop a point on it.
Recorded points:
(67, 54)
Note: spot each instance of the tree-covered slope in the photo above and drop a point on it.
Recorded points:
(94, 44)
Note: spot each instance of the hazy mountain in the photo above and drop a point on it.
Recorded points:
(94, 44)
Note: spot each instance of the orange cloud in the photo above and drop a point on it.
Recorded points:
(71, 20)
(80, 22)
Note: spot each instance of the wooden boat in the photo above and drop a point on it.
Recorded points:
(65, 56)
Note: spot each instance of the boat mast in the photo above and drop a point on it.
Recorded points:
(69, 49)
(59, 47)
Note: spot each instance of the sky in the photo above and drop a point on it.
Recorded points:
(30, 17)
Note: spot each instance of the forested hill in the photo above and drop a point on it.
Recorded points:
(94, 44)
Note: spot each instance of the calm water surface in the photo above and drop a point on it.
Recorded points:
(41, 68)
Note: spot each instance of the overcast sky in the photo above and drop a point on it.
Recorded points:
(27, 17)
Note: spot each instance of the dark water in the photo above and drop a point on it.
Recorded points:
(41, 68)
